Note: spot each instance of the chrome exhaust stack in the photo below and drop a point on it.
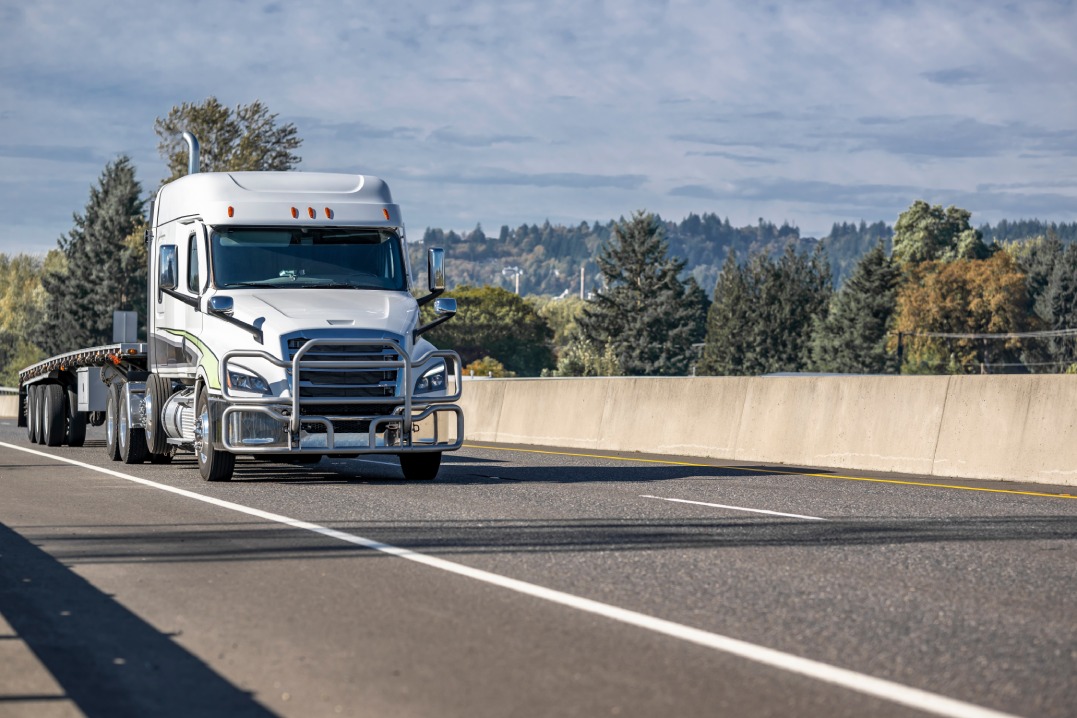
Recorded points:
(193, 153)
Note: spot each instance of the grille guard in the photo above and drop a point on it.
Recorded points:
(403, 415)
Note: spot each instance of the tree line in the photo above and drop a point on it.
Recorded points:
(933, 297)
(659, 297)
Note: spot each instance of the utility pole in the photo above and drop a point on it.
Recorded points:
(582, 271)
(513, 272)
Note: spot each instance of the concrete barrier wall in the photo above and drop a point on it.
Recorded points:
(9, 406)
(1019, 428)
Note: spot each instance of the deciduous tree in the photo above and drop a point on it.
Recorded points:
(969, 296)
(924, 233)
(494, 322)
(246, 138)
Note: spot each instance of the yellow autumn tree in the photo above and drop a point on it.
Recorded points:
(962, 296)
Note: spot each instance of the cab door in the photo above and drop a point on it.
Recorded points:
(179, 280)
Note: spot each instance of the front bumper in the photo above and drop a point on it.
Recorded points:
(344, 424)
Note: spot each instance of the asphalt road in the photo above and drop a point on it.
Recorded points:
(524, 583)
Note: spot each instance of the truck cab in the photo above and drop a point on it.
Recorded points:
(283, 322)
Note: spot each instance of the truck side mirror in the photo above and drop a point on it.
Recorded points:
(168, 267)
(435, 274)
(435, 269)
(445, 307)
(221, 305)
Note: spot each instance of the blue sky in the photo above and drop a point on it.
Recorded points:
(511, 112)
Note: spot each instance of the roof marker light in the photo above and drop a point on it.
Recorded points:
(328, 213)
(231, 211)
(295, 213)
(310, 212)
(385, 211)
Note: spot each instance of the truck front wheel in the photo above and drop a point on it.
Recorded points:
(213, 464)
(156, 395)
(420, 467)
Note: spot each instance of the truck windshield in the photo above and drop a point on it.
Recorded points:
(308, 257)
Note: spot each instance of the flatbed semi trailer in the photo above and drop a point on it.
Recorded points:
(61, 395)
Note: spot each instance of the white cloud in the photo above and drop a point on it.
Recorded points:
(502, 112)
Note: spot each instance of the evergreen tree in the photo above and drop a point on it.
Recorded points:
(247, 138)
(763, 313)
(793, 293)
(101, 274)
(1059, 301)
(729, 322)
(646, 314)
(852, 338)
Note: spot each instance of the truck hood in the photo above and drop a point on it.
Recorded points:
(289, 310)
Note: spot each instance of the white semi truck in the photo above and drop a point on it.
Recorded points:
(281, 323)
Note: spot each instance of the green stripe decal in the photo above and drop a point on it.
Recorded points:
(208, 361)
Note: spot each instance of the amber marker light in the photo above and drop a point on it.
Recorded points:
(310, 212)
(231, 211)
(328, 213)
(295, 213)
(385, 211)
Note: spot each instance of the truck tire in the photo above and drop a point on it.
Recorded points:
(76, 421)
(156, 394)
(420, 467)
(55, 415)
(213, 464)
(112, 422)
(132, 441)
(39, 410)
(31, 413)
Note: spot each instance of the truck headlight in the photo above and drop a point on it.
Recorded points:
(247, 382)
(432, 380)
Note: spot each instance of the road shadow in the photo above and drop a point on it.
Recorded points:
(258, 541)
(110, 662)
(466, 470)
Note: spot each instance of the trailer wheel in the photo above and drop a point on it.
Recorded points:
(213, 464)
(112, 422)
(132, 441)
(55, 415)
(420, 467)
(31, 413)
(156, 395)
(76, 421)
(39, 409)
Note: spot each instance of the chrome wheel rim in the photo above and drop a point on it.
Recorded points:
(110, 425)
(201, 425)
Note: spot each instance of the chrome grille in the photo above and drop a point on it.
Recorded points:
(344, 383)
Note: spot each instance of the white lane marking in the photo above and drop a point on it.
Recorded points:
(379, 463)
(734, 508)
(826, 673)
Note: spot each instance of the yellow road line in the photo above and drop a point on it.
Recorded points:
(774, 471)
